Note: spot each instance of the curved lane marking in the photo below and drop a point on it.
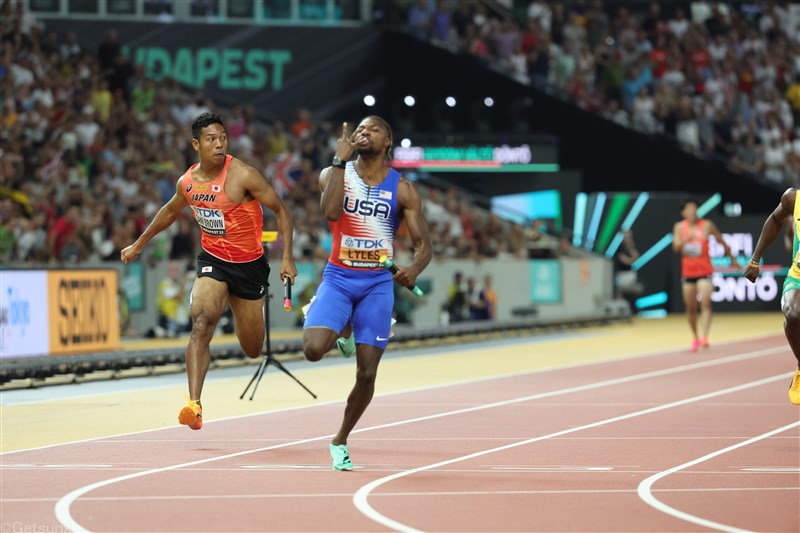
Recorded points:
(645, 492)
(64, 515)
(360, 498)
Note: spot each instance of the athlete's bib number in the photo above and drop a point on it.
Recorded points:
(211, 221)
(358, 252)
(692, 249)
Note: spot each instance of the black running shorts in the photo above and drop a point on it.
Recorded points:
(245, 280)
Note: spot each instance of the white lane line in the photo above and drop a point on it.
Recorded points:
(360, 498)
(738, 357)
(285, 495)
(62, 392)
(64, 515)
(138, 385)
(644, 490)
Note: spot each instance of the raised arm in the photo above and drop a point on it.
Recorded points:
(410, 204)
(331, 179)
(163, 219)
(770, 231)
(255, 183)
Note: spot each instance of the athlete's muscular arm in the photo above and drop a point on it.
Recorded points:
(409, 201)
(331, 179)
(257, 186)
(677, 242)
(714, 230)
(331, 183)
(770, 231)
(163, 219)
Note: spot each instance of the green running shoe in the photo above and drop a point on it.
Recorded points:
(340, 457)
(346, 346)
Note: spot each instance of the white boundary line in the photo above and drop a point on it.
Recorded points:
(180, 378)
(361, 496)
(62, 508)
(470, 381)
(286, 495)
(398, 356)
(644, 490)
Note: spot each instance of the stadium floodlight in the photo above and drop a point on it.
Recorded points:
(369, 100)
(450, 101)
(405, 143)
(409, 101)
(488, 101)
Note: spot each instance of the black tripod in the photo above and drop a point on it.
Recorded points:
(267, 236)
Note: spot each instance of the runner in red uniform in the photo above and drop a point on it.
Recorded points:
(225, 196)
(690, 239)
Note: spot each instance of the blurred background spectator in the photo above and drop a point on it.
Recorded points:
(91, 147)
(702, 79)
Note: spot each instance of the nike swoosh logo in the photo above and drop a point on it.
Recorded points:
(380, 339)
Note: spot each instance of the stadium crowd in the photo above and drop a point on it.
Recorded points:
(722, 80)
(91, 148)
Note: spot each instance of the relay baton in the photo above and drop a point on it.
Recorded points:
(386, 262)
(287, 294)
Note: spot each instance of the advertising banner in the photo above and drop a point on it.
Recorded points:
(23, 313)
(83, 312)
(275, 69)
(545, 276)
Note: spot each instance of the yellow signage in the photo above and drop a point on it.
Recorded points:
(83, 311)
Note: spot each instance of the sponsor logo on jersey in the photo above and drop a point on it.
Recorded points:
(211, 221)
(361, 252)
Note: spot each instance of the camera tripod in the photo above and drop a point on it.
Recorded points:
(269, 359)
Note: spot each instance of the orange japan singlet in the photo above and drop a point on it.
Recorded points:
(695, 261)
(229, 231)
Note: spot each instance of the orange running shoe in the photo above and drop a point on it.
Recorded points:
(794, 389)
(704, 342)
(192, 415)
(695, 345)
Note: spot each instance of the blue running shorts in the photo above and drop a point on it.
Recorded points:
(365, 298)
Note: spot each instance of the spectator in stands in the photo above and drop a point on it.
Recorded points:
(477, 305)
(626, 283)
(456, 305)
(419, 19)
(302, 126)
(441, 22)
(748, 155)
(63, 233)
(108, 51)
(173, 313)
(793, 96)
(489, 295)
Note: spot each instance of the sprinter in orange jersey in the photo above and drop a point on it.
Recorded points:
(690, 239)
(225, 196)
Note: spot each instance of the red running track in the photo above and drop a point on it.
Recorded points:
(666, 442)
